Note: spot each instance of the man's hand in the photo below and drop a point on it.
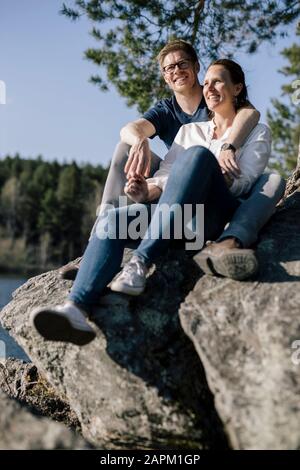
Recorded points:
(139, 159)
(228, 163)
(137, 188)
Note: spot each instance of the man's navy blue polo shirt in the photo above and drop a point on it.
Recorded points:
(167, 117)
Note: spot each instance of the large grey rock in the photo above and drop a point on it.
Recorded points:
(22, 380)
(243, 333)
(140, 384)
(21, 430)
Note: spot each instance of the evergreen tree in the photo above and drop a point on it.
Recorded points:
(49, 220)
(49, 226)
(10, 207)
(48, 207)
(130, 33)
(284, 118)
(70, 210)
(29, 202)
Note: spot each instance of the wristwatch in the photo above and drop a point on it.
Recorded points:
(228, 147)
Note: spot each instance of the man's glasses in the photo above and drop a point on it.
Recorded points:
(182, 65)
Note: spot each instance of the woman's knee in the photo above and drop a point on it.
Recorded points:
(272, 184)
(278, 184)
(194, 157)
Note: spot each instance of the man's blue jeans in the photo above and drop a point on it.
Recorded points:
(195, 178)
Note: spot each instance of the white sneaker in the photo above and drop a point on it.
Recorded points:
(132, 279)
(62, 323)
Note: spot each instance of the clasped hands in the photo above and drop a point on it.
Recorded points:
(137, 188)
(136, 169)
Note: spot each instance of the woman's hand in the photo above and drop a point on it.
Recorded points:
(137, 188)
(228, 163)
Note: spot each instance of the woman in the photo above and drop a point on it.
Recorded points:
(190, 174)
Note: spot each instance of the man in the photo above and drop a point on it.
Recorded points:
(229, 255)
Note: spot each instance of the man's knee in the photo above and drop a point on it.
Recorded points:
(155, 163)
(120, 156)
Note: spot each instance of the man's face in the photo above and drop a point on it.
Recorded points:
(179, 79)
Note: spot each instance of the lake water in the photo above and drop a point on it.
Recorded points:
(8, 347)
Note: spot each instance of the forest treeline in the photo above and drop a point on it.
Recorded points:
(47, 210)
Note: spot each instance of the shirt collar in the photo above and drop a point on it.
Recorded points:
(212, 126)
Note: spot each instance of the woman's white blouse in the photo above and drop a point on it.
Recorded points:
(252, 157)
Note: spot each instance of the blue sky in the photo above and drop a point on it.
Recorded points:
(51, 107)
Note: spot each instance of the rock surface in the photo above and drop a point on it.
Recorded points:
(243, 333)
(21, 430)
(140, 384)
(22, 380)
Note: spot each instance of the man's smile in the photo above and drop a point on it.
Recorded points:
(180, 80)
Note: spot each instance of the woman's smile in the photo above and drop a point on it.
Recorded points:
(214, 97)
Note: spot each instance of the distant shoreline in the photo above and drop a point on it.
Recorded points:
(24, 271)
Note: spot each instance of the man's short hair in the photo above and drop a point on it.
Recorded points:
(177, 45)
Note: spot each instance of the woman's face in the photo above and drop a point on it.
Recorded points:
(218, 89)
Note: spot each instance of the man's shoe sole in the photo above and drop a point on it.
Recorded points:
(239, 264)
(55, 327)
